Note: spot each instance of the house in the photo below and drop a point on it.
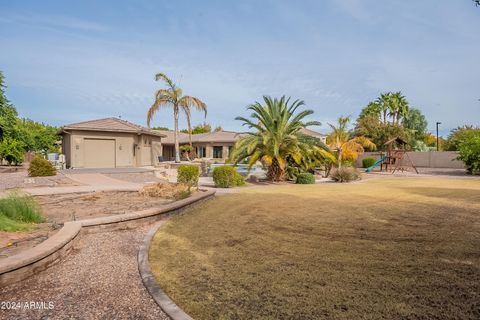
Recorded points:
(314, 134)
(116, 143)
(110, 143)
(212, 145)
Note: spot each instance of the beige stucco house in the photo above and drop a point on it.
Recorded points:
(116, 143)
(110, 143)
(212, 145)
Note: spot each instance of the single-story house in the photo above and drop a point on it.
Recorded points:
(212, 145)
(110, 143)
(314, 134)
(116, 143)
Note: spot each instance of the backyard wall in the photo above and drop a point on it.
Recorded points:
(431, 159)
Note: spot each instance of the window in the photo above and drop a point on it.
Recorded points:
(217, 152)
(201, 152)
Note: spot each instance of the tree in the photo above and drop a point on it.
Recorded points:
(173, 96)
(469, 152)
(458, 135)
(8, 113)
(161, 128)
(199, 128)
(11, 150)
(276, 138)
(416, 123)
(346, 148)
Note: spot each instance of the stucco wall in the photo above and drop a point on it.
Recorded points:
(123, 147)
(432, 159)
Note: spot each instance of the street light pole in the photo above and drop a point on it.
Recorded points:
(437, 134)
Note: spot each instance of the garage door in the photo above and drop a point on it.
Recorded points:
(99, 153)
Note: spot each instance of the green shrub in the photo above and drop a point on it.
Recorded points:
(17, 211)
(345, 174)
(226, 177)
(305, 178)
(368, 162)
(469, 153)
(40, 167)
(188, 174)
(12, 151)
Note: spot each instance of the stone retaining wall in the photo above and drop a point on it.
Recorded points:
(52, 250)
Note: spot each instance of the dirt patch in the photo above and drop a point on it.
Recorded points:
(58, 209)
(15, 180)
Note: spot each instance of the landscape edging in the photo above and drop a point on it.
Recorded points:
(157, 293)
(24, 264)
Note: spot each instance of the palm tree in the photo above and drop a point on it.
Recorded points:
(384, 102)
(346, 148)
(173, 96)
(398, 107)
(276, 139)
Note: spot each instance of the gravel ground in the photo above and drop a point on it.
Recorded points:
(99, 279)
(22, 180)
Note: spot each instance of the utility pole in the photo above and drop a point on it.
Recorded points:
(437, 134)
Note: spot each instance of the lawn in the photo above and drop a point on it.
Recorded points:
(389, 248)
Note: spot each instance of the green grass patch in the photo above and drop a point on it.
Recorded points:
(18, 211)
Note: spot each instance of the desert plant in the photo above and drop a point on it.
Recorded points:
(12, 151)
(18, 211)
(226, 177)
(40, 167)
(166, 190)
(305, 178)
(173, 96)
(368, 162)
(276, 139)
(188, 174)
(469, 153)
(345, 174)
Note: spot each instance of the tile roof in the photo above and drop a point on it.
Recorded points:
(112, 125)
(312, 133)
(212, 137)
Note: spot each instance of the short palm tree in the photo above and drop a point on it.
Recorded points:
(346, 148)
(276, 139)
(173, 96)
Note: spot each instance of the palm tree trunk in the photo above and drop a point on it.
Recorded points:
(385, 117)
(340, 158)
(175, 135)
(275, 172)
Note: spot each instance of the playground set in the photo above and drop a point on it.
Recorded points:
(395, 157)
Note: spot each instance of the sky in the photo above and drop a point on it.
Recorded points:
(69, 61)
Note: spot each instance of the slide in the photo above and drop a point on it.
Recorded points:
(376, 164)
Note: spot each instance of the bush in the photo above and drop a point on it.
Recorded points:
(188, 174)
(345, 174)
(17, 211)
(40, 167)
(469, 153)
(305, 178)
(226, 177)
(12, 151)
(368, 162)
(166, 190)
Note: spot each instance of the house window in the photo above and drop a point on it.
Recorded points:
(217, 152)
(201, 152)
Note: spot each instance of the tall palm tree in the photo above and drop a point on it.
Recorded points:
(346, 148)
(173, 96)
(276, 138)
(384, 102)
(398, 107)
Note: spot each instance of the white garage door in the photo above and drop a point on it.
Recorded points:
(99, 153)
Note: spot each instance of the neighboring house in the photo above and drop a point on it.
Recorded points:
(314, 134)
(110, 143)
(212, 145)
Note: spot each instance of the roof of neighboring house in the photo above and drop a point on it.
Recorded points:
(312, 133)
(112, 125)
(211, 137)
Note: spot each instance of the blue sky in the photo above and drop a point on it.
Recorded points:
(68, 61)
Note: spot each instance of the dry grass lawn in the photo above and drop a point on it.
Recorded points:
(391, 248)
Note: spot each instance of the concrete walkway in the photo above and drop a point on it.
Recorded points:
(91, 182)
